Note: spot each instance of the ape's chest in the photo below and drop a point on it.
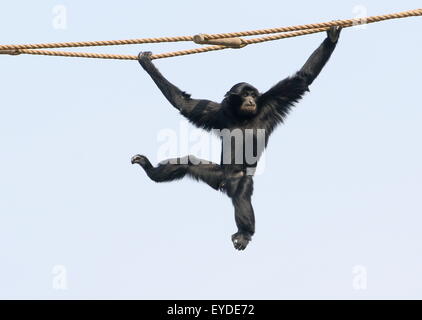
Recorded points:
(243, 145)
(245, 134)
(248, 132)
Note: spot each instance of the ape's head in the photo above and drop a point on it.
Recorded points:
(243, 99)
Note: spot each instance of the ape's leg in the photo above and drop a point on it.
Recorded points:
(174, 169)
(240, 191)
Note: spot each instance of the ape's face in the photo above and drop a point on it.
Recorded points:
(248, 105)
(242, 99)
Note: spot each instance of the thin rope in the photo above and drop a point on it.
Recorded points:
(326, 25)
(285, 32)
(94, 43)
(162, 55)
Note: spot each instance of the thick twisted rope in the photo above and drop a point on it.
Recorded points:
(161, 55)
(326, 25)
(94, 43)
(285, 32)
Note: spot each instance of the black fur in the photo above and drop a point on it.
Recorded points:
(242, 108)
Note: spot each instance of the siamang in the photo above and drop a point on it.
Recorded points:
(242, 109)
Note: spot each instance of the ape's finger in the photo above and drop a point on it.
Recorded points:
(144, 54)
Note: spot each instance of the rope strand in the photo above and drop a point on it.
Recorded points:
(343, 23)
(277, 33)
(161, 55)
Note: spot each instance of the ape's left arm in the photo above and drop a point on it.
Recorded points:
(205, 114)
(281, 97)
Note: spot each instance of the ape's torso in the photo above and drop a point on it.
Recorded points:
(244, 143)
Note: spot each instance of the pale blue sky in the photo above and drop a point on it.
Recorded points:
(342, 179)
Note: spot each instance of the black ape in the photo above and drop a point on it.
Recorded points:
(243, 111)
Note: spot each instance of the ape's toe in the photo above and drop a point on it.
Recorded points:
(135, 159)
(240, 241)
(239, 246)
(138, 159)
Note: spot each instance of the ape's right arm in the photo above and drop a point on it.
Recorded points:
(316, 62)
(202, 113)
(280, 98)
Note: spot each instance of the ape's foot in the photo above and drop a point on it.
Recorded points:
(241, 240)
(141, 160)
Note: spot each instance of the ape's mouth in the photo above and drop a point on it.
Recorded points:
(248, 108)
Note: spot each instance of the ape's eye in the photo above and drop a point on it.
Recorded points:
(245, 94)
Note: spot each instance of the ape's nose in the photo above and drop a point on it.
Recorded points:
(251, 102)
